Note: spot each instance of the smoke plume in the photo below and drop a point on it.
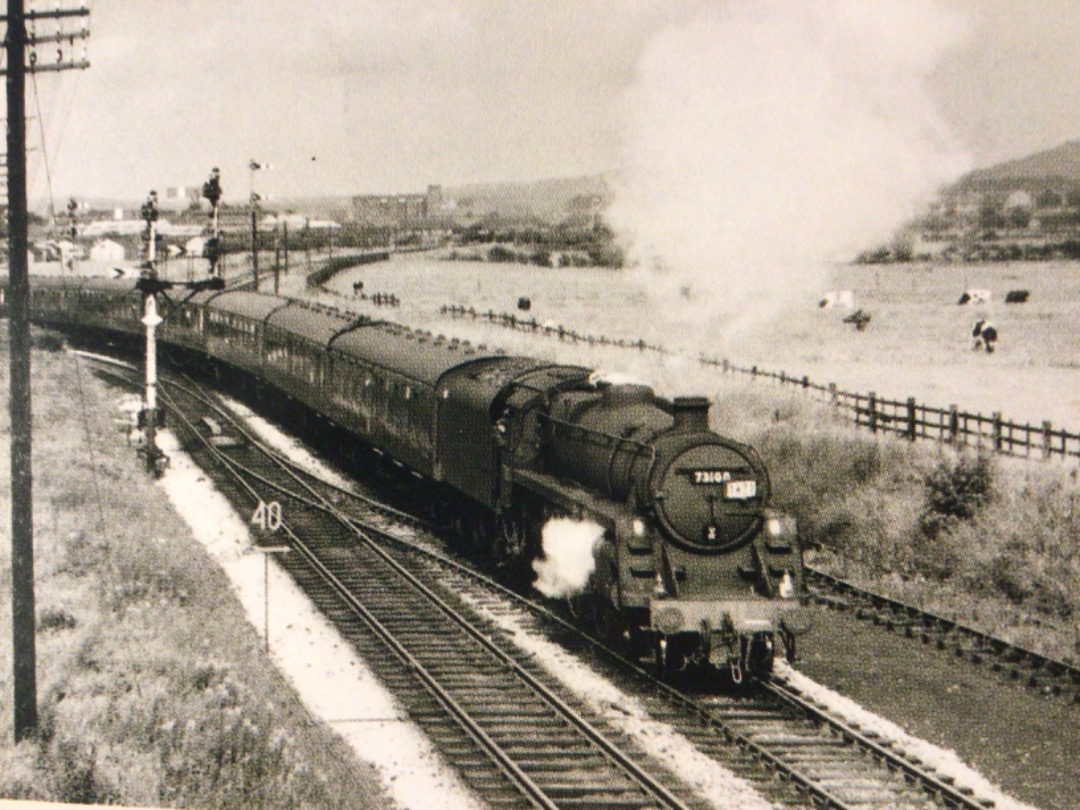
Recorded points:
(767, 139)
(568, 561)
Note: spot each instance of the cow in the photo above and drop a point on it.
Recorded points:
(975, 297)
(1017, 296)
(985, 335)
(837, 298)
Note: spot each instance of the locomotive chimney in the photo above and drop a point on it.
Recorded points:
(691, 413)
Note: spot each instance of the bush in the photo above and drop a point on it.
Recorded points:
(955, 491)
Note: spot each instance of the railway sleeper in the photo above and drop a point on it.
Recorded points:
(552, 731)
(481, 709)
(591, 802)
(562, 763)
(784, 742)
(511, 799)
(538, 748)
(750, 715)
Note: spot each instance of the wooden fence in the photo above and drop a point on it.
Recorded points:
(906, 418)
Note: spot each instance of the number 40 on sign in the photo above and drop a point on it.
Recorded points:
(267, 516)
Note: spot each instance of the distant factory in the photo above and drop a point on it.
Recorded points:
(399, 210)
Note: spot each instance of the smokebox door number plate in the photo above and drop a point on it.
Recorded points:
(733, 490)
(740, 490)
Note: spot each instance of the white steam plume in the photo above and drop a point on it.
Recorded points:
(766, 139)
(568, 559)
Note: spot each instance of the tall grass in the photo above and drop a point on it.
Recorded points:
(153, 689)
(984, 540)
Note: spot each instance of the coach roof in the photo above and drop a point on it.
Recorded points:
(409, 352)
(317, 324)
(245, 304)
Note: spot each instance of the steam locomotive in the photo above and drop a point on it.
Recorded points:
(693, 566)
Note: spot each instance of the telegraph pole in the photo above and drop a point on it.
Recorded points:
(277, 260)
(286, 247)
(24, 626)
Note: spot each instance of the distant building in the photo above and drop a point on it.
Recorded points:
(181, 197)
(1018, 199)
(106, 250)
(398, 210)
(119, 227)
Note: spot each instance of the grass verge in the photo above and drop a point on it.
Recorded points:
(152, 687)
(990, 542)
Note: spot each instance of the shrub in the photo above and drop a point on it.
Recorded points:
(55, 619)
(955, 491)
(77, 775)
(47, 341)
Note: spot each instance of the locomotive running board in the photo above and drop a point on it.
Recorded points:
(575, 500)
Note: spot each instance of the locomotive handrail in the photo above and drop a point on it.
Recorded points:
(563, 423)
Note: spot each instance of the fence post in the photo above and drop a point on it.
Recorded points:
(911, 418)
(954, 424)
(783, 377)
(996, 430)
(872, 406)
(1046, 431)
(805, 381)
(753, 372)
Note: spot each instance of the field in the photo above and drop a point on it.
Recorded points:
(917, 344)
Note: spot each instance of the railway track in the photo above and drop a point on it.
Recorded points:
(794, 750)
(1015, 663)
(489, 709)
(516, 739)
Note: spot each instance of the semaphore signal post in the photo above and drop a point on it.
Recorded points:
(22, 52)
(152, 286)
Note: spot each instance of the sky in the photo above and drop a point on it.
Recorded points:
(373, 96)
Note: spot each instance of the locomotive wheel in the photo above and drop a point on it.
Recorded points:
(608, 622)
(513, 537)
(667, 661)
(759, 659)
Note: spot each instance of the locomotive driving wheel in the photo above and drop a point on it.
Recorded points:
(611, 628)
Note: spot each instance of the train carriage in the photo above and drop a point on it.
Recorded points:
(695, 565)
(233, 325)
(397, 373)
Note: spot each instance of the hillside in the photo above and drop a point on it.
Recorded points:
(548, 200)
(1058, 166)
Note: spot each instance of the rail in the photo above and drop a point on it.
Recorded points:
(907, 418)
